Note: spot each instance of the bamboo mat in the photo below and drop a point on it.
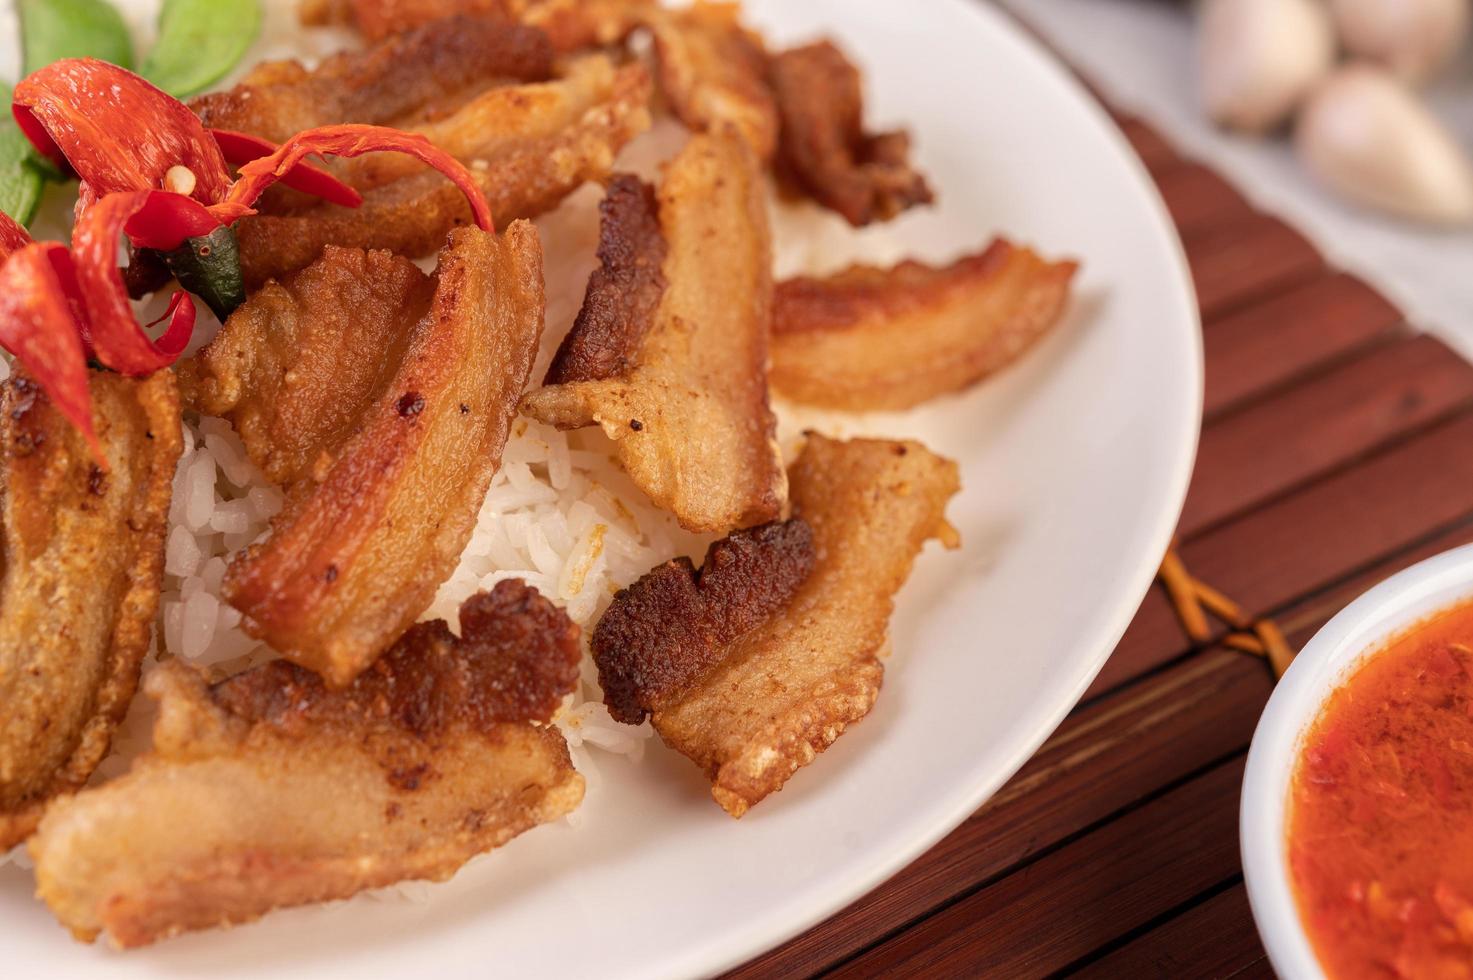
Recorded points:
(1337, 448)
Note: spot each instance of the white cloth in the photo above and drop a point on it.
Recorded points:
(1141, 54)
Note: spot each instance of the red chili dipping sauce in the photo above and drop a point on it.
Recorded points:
(1381, 822)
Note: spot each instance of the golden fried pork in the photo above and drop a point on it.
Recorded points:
(385, 420)
(713, 72)
(871, 338)
(711, 69)
(296, 367)
(669, 354)
(576, 24)
(624, 292)
(425, 71)
(570, 24)
(83, 557)
(756, 663)
(824, 148)
(529, 146)
(269, 790)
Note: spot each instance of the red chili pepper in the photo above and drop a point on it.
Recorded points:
(164, 220)
(109, 327)
(115, 130)
(13, 237)
(346, 140)
(57, 307)
(121, 136)
(38, 325)
(242, 148)
(119, 133)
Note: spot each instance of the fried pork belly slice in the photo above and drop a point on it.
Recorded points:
(529, 146)
(673, 363)
(491, 129)
(573, 25)
(414, 73)
(570, 24)
(824, 148)
(759, 661)
(624, 292)
(380, 519)
(298, 364)
(285, 792)
(83, 557)
(713, 72)
(871, 338)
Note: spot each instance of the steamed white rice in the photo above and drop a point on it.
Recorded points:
(560, 514)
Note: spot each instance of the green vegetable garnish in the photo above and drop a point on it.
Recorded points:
(199, 42)
(54, 29)
(21, 180)
(49, 31)
(209, 267)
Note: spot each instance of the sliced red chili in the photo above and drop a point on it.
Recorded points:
(38, 325)
(242, 148)
(346, 141)
(109, 327)
(13, 237)
(115, 130)
(164, 220)
(121, 135)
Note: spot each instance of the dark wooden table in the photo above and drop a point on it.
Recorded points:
(1337, 448)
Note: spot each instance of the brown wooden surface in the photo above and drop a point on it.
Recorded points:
(1335, 451)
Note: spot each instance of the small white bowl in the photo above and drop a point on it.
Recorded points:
(1361, 628)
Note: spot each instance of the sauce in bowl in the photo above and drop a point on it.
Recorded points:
(1380, 832)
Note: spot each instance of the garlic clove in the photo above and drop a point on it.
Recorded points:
(1259, 58)
(1414, 38)
(1366, 135)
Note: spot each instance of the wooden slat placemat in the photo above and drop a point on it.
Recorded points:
(1337, 448)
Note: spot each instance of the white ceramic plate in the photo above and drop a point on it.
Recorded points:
(1075, 465)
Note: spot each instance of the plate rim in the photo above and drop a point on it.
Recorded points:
(761, 937)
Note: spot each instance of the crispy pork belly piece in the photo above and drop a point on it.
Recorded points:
(871, 338)
(576, 24)
(529, 146)
(713, 72)
(83, 557)
(824, 148)
(488, 131)
(664, 634)
(570, 24)
(269, 790)
(300, 362)
(411, 74)
(624, 292)
(756, 663)
(679, 381)
(378, 519)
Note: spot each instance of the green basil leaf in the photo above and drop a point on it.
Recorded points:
(199, 42)
(21, 181)
(54, 29)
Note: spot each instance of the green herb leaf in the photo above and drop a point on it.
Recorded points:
(49, 31)
(199, 42)
(209, 267)
(54, 29)
(21, 181)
